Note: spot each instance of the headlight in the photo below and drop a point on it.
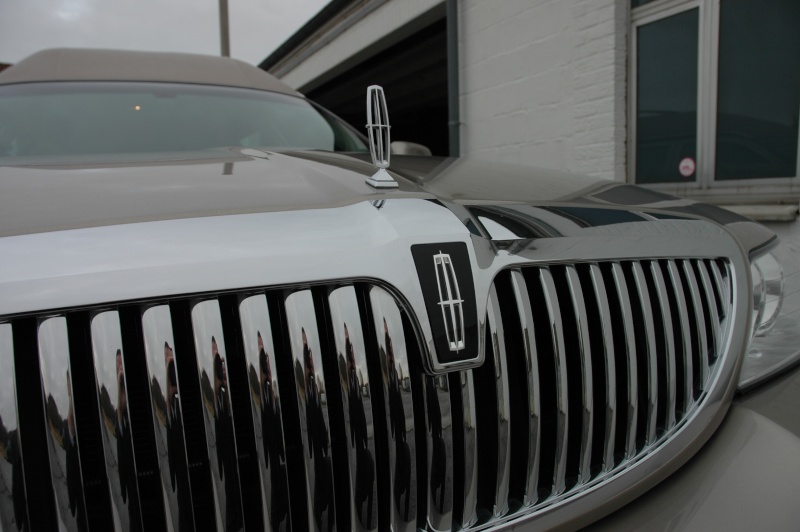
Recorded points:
(776, 315)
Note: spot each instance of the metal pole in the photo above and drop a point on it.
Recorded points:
(225, 41)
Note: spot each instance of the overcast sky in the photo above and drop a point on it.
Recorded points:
(257, 27)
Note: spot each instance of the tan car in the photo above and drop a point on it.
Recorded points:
(223, 308)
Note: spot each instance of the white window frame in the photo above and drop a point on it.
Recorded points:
(704, 183)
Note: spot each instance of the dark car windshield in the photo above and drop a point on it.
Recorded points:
(73, 121)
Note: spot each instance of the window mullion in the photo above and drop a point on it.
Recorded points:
(707, 91)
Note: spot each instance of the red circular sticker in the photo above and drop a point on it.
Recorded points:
(687, 166)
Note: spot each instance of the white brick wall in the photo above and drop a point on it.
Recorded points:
(544, 83)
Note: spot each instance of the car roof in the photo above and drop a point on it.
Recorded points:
(77, 64)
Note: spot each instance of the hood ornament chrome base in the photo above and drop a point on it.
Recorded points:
(379, 141)
(382, 179)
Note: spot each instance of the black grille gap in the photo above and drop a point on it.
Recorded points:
(244, 431)
(191, 404)
(295, 461)
(379, 414)
(330, 362)
(151, 501)
(38, 486)
(87, 416)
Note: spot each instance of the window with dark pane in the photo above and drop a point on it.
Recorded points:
(758, 89)
(666, 92)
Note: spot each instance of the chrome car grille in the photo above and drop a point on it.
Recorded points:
(307, 408)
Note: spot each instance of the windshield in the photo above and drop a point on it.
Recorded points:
(84, 120)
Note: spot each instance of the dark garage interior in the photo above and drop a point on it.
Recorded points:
(413, 74)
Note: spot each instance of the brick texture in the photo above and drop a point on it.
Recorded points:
(544, 83)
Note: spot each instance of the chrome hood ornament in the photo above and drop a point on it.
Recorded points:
(379, 141)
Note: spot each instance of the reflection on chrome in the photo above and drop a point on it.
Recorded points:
(497, 335)
(650, 351)
(399, 405)
(630, 350)
(65, 467)
(311, 391)
(686, 343)
(700, 321)
(266, 409)
(114, 418)
(669, 338)
(440, 452)
(469, 513)
(217, 414)
(13, 506)
(168, 415)
(354, 378)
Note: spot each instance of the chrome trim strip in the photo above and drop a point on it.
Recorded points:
(610, 370)
(265, 408)
(355, 385)
(313, 408)
(399, 402)
(669, 338)
(470, 514)
(562, 399)
(12, 477)
(497, 336)
(587, 393)
(650, 355)
(712, 309)
(440, 455)
(520, 289)
(632, 370)
(685, 335)
(118, 442)
(720, 276)
(62, 432)
(162, 370)
(699, 313)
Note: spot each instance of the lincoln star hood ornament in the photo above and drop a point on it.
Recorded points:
(379, 142)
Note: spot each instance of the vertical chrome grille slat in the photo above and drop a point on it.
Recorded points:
(610, 379)
(265, 406)
(650, 354)
(711, 302)
(562, 400)
(13, 478)
(496, 335)
(398, 398)
(525, 312)
(440, 461)
(587, 394)
(167, 407)
(700, 323)
(669, 340)
(685, 334)
(304, 337)
(354, 379)
(630, 352)
(57, 390)
(469, 515)
(719, 275)
(118, 442)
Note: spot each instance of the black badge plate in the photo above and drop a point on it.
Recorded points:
(445, 275)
